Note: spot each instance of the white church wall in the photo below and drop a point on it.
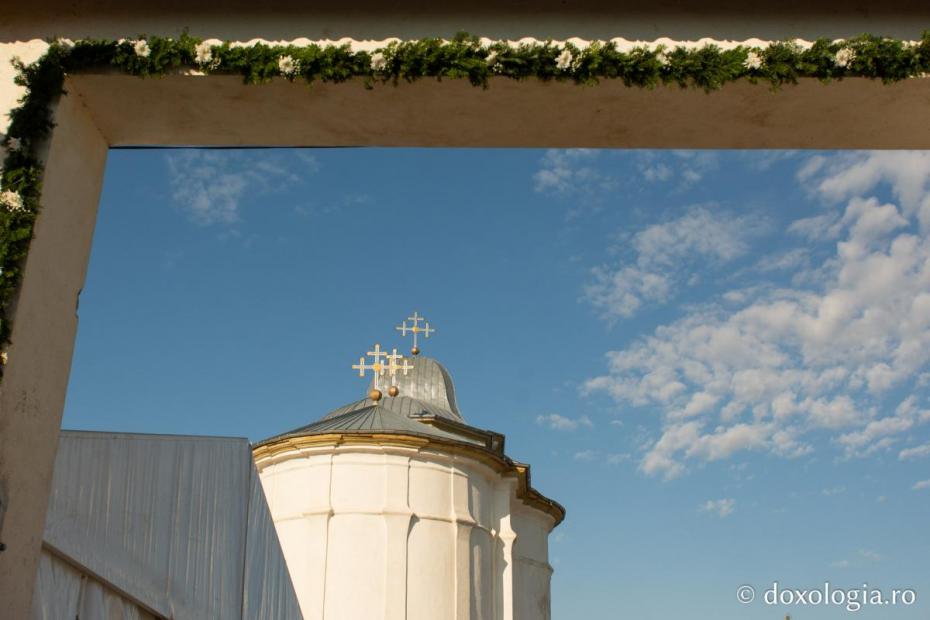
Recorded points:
(267, 593)
(395, 532)
(532, 571)
(179, 524)
(355, 567)
(431, 579)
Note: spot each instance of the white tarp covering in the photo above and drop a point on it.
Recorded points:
(63, 592)
(179, 524)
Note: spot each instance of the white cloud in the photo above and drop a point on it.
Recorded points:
(790, 260)
(772, 369)
(721, 507)
(846, 176)
(211, 184)
(877, 434)
(915, 453)
(616, 459)
(586, 455)
(666, 256)
(570, 171)
(861, 558)
(680, 168)
(561, 423)
(871, 556)
(923, 484)
(817, 227)
(765, 159)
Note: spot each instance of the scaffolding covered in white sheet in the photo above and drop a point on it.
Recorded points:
(175, 527)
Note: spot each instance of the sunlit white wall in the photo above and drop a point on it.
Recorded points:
(394, 532)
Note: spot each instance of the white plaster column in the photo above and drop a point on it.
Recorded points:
(32, 395)
(462, 523)
(504, 556)
(397, 516)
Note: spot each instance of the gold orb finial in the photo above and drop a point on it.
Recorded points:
(415, 351)
(375, 395)
(393, 391)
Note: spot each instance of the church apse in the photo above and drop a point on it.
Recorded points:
(394, 507)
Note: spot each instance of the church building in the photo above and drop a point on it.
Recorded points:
(391, 507)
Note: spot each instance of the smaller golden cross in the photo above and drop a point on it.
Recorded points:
(394, 366)
(377, 367)
(415, 329)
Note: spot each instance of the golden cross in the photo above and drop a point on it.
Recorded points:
(377, 367)
(415, 329)
(393, 366)
(377, 354)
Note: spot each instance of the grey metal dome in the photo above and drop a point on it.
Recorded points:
(426, 391)
(430, 383)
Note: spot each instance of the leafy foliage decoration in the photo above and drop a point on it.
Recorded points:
(465, 56)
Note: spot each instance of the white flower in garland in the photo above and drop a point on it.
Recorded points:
(203, 53)
(564, 60)
(4, 358)
(141, 48)
(662, 58)
(11, 200)
(378, 62)
(287, 65)
(14, 144)
(65, 43)
(753, 60)
(491, 58)
(844, 57)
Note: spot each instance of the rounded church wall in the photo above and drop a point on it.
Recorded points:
(431, 570)
(532, 571)
(386, 517)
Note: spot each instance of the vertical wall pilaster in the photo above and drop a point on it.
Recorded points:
(397, 515)
(462, 523)
(506, 536)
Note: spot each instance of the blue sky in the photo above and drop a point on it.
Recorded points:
(718, 361)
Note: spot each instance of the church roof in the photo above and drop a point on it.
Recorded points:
(425, 407)
(370, 417)
(426, 394)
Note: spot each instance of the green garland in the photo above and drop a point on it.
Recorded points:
(463, 57)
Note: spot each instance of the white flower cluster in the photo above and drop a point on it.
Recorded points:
(844, 57)
(564, 60)
(14, 144)
(494, 62)
(662, 58)
(753, 60)
(203, 53)
(141, 48)
(378, 62)
(11, 200)
(288, 66)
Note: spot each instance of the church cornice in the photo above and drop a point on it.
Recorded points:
(293, 447)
